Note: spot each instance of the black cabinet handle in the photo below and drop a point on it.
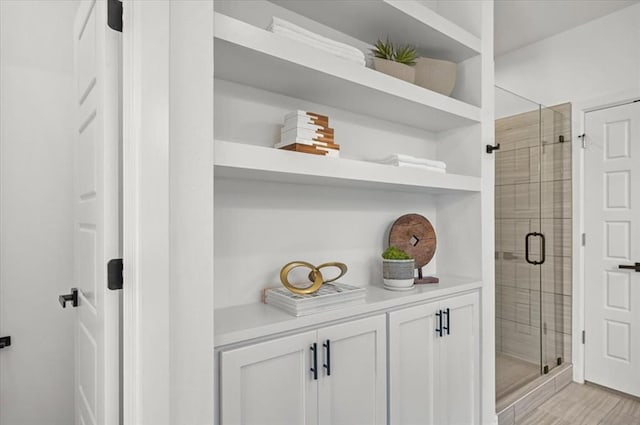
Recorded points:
(635, 267)
(448, 327)
(314, 368)
(439, 328)
(327, 364)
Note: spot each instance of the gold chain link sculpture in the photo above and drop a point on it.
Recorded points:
(315, 275)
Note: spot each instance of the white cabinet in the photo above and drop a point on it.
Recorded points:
(269, 383)
(336, 375)
(434, 364)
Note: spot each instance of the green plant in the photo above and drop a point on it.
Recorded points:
(393, 253)
(406, 55)
(384, 50)
(403, 54)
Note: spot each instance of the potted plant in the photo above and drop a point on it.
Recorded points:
(395, 61)
(397, 269)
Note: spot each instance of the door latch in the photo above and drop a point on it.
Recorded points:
(72, 298)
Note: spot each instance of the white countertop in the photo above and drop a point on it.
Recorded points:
(250, 321)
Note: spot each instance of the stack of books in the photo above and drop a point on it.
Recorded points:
(330, 296)
(308, 132)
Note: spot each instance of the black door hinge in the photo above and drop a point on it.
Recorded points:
(114, 274)
(114, 15)
(5, 341)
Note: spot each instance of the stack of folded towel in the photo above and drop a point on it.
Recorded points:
(400, 160)
(344, 51)
(308, 132)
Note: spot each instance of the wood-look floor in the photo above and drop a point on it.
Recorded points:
(585, 404)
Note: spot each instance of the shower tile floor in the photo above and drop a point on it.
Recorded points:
(512, 373)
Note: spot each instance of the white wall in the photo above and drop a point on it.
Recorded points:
(594, 60)
(36, 170)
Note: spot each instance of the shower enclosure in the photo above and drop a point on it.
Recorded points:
(533, 240)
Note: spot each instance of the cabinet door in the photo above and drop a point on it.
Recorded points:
(353, 386)
(269, 383)
(459, 385)
(413, 359)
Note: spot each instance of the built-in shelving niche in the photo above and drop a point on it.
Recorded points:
(272, 207)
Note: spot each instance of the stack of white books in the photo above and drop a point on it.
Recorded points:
(330, 296)
(308, 132)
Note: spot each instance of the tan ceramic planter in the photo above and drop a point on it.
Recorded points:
(436, 75)
(395, 69)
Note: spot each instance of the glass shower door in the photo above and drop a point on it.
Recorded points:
(519, 245)
(556, 225)
(533, 240)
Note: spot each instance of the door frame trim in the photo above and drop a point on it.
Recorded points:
(579, 116)
(168, 212)
(146, 329)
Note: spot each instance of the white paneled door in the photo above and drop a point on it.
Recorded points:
(612, 250)
(97, 215)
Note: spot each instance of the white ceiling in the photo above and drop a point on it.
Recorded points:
(522, 22)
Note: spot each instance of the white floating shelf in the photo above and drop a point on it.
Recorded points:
(239, 160)
(245, 322)
(403, 21)
(255, 57)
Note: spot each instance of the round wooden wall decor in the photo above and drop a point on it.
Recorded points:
(414, 234)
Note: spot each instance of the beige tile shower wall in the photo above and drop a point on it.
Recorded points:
(533, 193)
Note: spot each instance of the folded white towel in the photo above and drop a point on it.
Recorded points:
(397, 158)
(359, 59)
(412, 165)
(305, 36)
(281, 23)
(282, 27)
(422, 167)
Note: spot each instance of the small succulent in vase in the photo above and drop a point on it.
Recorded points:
(397, 269)
(395, 61)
